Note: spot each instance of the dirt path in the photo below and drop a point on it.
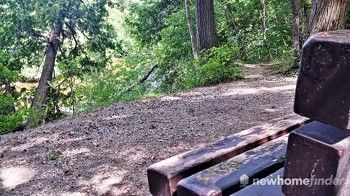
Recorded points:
(107, 151)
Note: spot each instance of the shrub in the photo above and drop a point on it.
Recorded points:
(285, 64)
(9, 119)
(212, 67)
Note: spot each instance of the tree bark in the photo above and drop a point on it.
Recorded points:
(206, 27)
(296, 31)
(263, 3)
(295, 25)
(327, 15)
(305, 14)
(191, 28)
(48, 67)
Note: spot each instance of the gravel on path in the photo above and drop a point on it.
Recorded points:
(107, 151)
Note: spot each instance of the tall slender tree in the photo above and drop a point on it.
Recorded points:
(52, 46)
(264, 19)
(295, 24)
(327, 15)
(191, 28)
(206, 28)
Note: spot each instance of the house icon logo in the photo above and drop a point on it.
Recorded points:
(244, 180)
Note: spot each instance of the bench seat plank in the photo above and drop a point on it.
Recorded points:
(226, 178)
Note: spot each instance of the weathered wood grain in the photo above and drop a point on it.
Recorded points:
(318, 152)
(232, 175)
(323, 86)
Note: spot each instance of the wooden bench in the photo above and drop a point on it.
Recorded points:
(164, 176)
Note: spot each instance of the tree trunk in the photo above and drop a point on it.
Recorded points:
(191, 28)
(296, 31)
(206, 28)
(327, 15)
(305, 14)
(263, 3)
(48, 67)
(295, 25)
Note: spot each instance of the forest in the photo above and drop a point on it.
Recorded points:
(62, 57)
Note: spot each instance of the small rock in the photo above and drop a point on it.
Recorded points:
(68, 172)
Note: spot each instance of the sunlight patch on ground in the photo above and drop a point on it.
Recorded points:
(190, 94)
(65, 141)
(250, 91)
(134, 155)
(107, 182)
(33, 142)
(73, 194)
(73, 152)
(116, 117)
(170, 98)
(14, 176)
(270, 110)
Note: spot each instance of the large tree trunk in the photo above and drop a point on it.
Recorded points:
(327, 15)
(206, 28)
(48, 67)
(191, 28)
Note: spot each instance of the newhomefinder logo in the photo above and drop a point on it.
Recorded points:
(280, 181)
(244, 180)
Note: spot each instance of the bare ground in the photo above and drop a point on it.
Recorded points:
(107, 151)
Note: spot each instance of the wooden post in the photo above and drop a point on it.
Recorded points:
(323, 87)
(319, 153)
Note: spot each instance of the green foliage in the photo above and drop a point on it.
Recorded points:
(218, 64)
(146, 20)
(6, 74)
(172, 50)
(168, 43)
(242, 20)
(101, 88)
(214, 66)
(87, 43)
(98, 63)
(9, 119)
(6, 102)
(283, 65)
(10, 122)
(54, 156)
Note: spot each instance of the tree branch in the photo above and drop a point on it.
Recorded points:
(73, 32)
(39, 36)
(141, 80)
